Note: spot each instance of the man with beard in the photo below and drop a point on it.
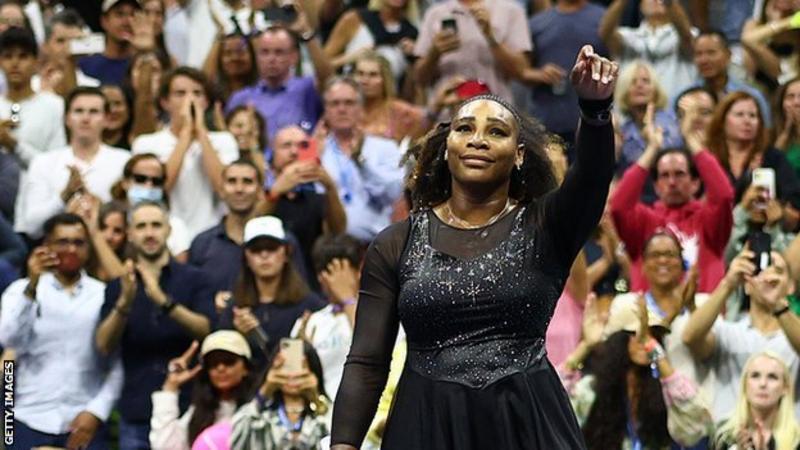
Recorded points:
(222, 243)
(151, 314)
(65, 389)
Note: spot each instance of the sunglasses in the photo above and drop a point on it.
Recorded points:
(142, 179)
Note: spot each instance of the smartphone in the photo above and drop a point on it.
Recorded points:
(471, 88)
(88, 45)
(292, 350)
(308, 151)
(285, 13)
(764, 177)
(760, 243)
(450, 24)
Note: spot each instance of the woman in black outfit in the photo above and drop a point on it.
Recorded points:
(474, 275)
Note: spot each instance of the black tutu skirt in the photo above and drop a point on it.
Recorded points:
(525, 410)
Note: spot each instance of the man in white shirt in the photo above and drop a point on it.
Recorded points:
(64, 388)
(85, 167)
(30, 123)
(193, 155)
(770, 325)
(330, 330)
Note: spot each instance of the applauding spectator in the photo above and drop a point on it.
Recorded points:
(151, 314)
(703, 227)
(764, 416)
(86, 167)
(194, 156)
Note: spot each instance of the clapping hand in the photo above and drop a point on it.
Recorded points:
(593, 77)
(74, 184)
(178, 371)
(339, 280)
(653, 134)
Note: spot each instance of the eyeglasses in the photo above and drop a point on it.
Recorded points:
(64, 243)
(16, 108)
(142, 179)
(666, 254)
(217, 357)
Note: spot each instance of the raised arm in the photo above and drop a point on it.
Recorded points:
(677, 15)
(609, 27)
(367, 366)
(572, 211)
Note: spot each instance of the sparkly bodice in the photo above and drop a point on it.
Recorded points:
(475, 320)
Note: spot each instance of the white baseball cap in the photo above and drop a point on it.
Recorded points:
(264, 227)
(227, 340)
(108, 4)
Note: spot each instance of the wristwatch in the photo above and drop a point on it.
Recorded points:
(307, 35)
(781, 311)
(168, 306)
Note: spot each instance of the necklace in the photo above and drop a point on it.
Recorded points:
(458, 222)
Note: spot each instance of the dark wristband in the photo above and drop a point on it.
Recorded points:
(781, 311)
(168, 306)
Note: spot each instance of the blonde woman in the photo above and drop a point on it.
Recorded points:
(637, 88)
(764, 415)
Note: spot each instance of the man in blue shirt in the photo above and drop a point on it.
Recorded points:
(151, 314)
(280, 96)
(111, 65)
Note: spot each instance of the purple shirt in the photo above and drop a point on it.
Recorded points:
(294, 103)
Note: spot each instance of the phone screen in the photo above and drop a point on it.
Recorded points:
(760, 244)
(292, 350)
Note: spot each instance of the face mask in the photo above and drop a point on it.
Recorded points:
(137, 194)
(68, 262)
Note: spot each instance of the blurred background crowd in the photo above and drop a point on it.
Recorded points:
(187, 189)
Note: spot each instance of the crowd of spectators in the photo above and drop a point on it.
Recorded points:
(187, 189)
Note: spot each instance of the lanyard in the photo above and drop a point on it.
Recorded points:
(345, 168)
(653, 306)
(284, 418)
(636, 443)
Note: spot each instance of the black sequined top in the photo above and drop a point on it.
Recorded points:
(475, 304)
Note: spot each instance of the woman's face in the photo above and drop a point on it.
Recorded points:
(266, 258)
(641, 90)
(118, 113)
(764, 384)
(155, 68)
(241, 127)
(791, 101)
(235, 58)
(225, 370)
(154, 11)
(742, 121)
(637, 352)
(368, 75)
(663, 263)
(482, 144)
(113, 229)
(292, 389)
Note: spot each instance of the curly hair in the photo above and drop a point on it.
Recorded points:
(606, 424)
(430, 180)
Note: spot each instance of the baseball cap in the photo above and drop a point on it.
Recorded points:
(108, 4)
(264, 227)
(624, 316)
(227, 340)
